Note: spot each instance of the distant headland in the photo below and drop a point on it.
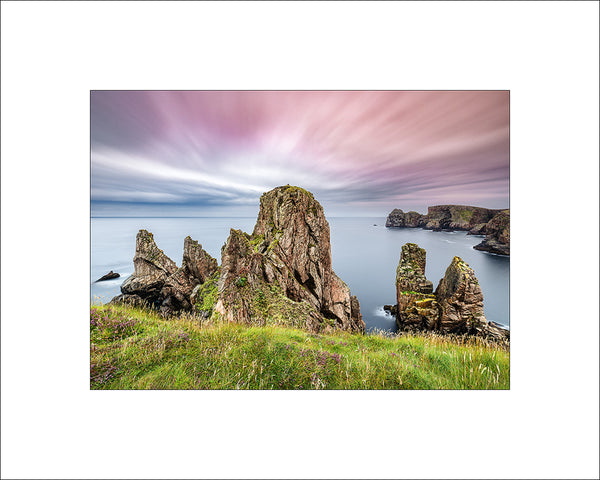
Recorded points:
(493, 223)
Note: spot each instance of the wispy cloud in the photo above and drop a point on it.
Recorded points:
(359, 152)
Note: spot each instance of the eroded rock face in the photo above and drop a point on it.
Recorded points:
(282, 272)
(456, 307)
(198, 263)
(497, 232)
(152, 268)
(460, 298)
(417, 308)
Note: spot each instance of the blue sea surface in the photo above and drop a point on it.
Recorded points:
(364, 253)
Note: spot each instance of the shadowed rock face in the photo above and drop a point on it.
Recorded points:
(196, 267)
(286, 262)
(497, 232)
(456, 306)
(197, 262)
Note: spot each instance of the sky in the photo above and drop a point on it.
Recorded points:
(361, 153)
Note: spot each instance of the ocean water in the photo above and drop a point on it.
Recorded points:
(364, 252)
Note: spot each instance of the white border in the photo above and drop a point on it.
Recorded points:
(545, 53)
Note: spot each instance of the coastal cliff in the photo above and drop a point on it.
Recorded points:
(493, 223)
(442, 217)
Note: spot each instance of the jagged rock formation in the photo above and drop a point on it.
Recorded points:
(456, 306)
(399, 218)
(282, 272)
(417, 308)
(497, 232)
(152, 268)
(196, 267)
(109, 276)
(158, 282)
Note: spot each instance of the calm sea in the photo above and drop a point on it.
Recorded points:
(365, 255)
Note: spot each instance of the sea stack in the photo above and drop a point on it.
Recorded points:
(282, 272)
(455, 307)
(417, 308)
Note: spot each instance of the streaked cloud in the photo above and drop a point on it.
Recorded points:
(208, 152)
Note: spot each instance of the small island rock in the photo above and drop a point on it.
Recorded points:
(109, 276)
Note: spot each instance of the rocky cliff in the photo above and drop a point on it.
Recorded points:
(282, 272)
(157, 281)
(495, 224)
(457, 217)
(497, 232)
(455, 307)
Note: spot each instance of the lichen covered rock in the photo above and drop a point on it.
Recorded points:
(204, 295)
(282, 272)
(417, 308)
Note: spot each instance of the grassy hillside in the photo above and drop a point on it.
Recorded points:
(137, 349)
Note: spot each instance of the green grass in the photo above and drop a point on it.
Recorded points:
(138, 349)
